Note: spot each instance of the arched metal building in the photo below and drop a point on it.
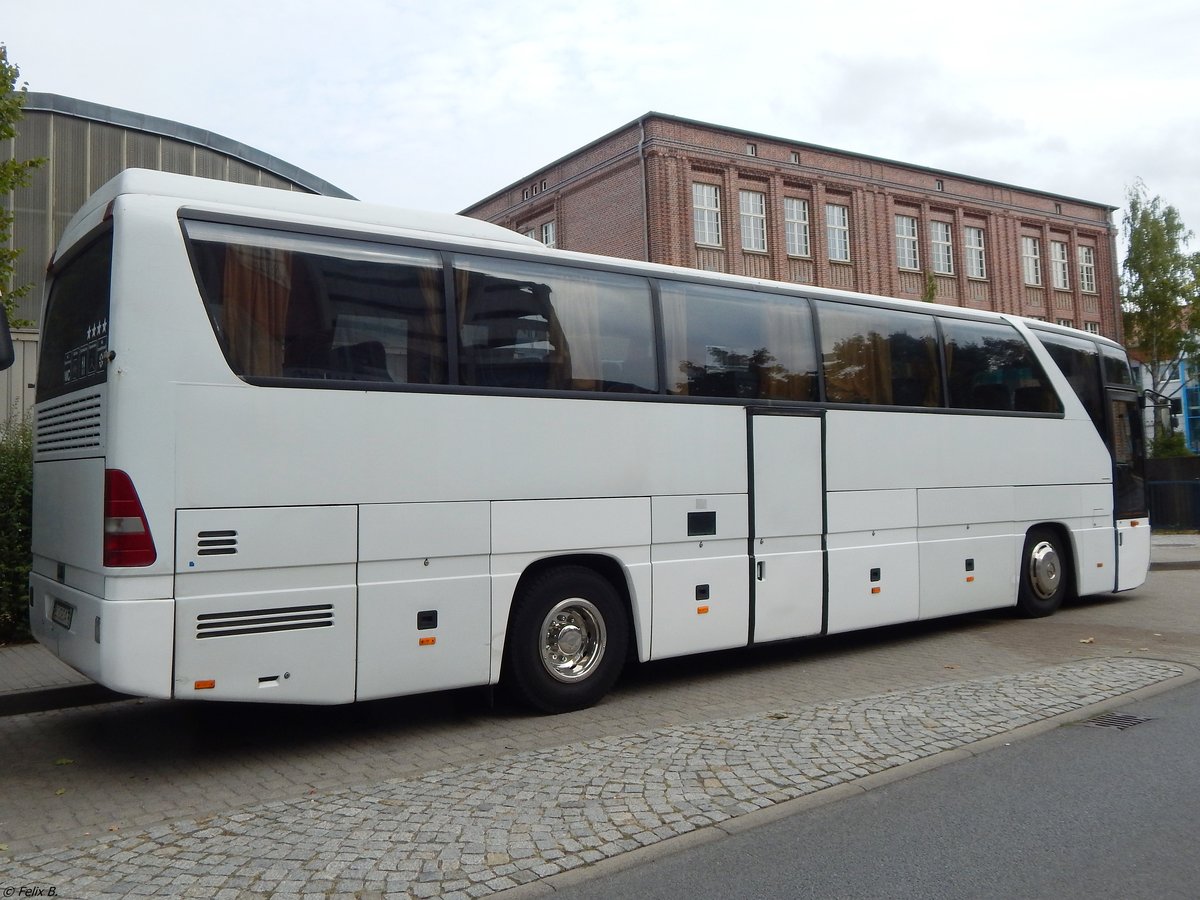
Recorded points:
(85, 144)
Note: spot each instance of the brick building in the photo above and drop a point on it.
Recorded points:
(670, 190)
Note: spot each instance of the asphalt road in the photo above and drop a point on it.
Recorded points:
(139, 774)
(1079, 812)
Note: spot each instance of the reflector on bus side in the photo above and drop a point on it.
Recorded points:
(127, 538)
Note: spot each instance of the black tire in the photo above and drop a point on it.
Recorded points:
(1045, 574)
(567, 640)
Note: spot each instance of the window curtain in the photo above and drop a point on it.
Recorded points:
(257, 286)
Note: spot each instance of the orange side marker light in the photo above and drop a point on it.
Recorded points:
(701, 610)
(205, 684)
(426, 641)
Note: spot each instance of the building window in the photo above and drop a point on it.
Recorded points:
(706, 213)
(906, 243)
(795, 223)
(1031, 260)
(1069, 323)
(1059, 269)
(752, 149)
(525, 194)
(795, 158)
(1058, 208)
(753, 208)
(531, 234)
(976, 261)
(1087, 270)
(548, 236)
(543, 185)
(939, 184)
(837, 231)
(939, 243)
(1091, 327)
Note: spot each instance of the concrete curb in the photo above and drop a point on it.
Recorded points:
(550, 885)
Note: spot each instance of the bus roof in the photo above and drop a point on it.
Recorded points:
(208, 190)
(197, 191)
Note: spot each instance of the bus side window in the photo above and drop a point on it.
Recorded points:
(879, 356)
(741, 344)
(989, 366)
(529, 326)
(309, 307)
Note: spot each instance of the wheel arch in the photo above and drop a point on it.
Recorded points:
(1066, 539)
(607, 567)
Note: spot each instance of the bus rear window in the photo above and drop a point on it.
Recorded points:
(74, 351)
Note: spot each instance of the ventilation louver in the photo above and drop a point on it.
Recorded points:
(75, 424)
(216, 543)
(264, 621)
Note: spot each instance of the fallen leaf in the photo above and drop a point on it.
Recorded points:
(60, 792)
(949, 667)
(1088, 641)
(3, 848)
(63, 761)
(1143, 649)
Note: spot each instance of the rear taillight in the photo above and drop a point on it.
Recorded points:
(127, 539)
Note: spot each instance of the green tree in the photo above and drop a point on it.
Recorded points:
(1160, 290)
(14, 173)
(929, 295)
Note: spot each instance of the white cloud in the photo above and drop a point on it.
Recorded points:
(437, 105)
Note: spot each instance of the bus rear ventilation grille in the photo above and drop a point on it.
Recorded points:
(74, 424)
(264, 621)
(216, 543)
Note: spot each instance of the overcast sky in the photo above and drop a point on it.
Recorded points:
(437, 104)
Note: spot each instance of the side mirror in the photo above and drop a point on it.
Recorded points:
(7, 355)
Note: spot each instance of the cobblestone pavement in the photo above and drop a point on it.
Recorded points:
(471, 830)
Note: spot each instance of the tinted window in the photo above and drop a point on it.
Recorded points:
(729, 343)
(1129, 453)
(989, 366)
(879, 356)
(526, 325)
(1079, 360)
(74, 351)
(1116, 367)
(291, 306)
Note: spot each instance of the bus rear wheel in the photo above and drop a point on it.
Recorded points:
(567, 641)
(1044, 574)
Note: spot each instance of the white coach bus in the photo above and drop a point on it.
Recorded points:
(299, 449)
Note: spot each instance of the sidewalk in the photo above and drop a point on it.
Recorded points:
(33, 679)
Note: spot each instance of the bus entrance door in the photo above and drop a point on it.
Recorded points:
(787, 520)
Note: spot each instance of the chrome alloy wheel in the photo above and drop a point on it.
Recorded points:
(1045, 569)
(573, 640)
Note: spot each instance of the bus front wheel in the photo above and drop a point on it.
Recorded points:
(1044, 574)
(567, 641)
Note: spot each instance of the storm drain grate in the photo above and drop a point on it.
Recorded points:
(1120, 721)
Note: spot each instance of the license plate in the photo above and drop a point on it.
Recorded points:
(62, 614)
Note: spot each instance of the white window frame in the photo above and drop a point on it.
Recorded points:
(795, 224)
(1031, 260)
(1068, 323)
(908, 254)
(706, 213)
(1087, 270)
(752, 207)
(975, 253)
(837, 231)
(941, 235)
(549, 234)
(1060, 268)
(1091, 327)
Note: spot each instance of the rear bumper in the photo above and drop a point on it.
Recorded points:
(125, 645)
